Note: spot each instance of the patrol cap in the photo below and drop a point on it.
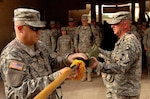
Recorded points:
(119, 16)
(63, 28)
(29, 16)
(84, 18)
(70, 20)
(52, 22)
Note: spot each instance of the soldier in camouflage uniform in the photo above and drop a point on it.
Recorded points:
(25, 62)
(47, 38)
(146, 43)
(93, 22)
(71, 28)
(58, 27)
(64, 43)
(124, 67)
(86, 35)
(54, 31)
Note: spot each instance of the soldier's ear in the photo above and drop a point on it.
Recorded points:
(20, 28)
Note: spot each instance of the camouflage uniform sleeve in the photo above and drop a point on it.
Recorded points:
(19, 83)
(146, 38)
(57, 60)
(52, 41)
(72, 46)
(76, 38)
(96, 36)
(144, 41)
(105, 52)
(123, 57)
(58, 47)
(101, 36)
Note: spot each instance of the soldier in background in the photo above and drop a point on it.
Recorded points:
(64, 44)
(54, 31)
(146, 45)
(25, 63)
(100, 31)
(58, 27)
(86, 36)
(71, 28)
(141, 29)
(47, 38)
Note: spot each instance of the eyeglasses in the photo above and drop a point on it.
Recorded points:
(34, 28)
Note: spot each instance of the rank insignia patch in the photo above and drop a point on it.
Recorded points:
(16, 65)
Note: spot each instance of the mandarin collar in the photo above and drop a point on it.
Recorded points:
(122, 38)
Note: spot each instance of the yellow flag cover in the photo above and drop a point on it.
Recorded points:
(80, 66)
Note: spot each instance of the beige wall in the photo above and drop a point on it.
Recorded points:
(6, 19)
(76, 14)
(6, 13)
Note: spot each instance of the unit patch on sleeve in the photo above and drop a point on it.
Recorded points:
(16, 65)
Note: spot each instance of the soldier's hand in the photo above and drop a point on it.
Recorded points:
(74, 56)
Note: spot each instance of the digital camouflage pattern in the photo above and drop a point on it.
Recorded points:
(29, 16)
(71, 32)
(137, 35)
(65, 45)
(55, 34)
(85, 37)
(48, 39)
(26, 72)
(146, 41)
(100, 34)
(125, 66)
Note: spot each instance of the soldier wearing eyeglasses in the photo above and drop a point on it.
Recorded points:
(25, 62)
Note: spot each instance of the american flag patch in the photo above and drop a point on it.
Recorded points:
(16, 65)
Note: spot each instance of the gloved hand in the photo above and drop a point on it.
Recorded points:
(94, 52)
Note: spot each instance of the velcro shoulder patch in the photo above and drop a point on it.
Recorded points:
(16, 65)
